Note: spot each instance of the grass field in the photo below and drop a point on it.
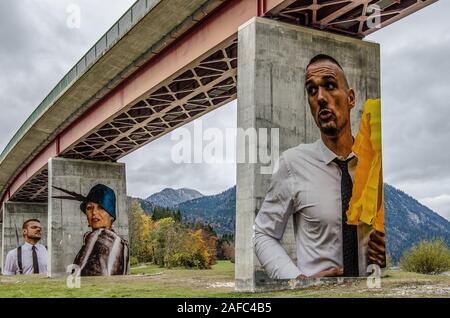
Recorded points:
(152, 281)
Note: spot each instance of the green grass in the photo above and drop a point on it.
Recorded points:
(147, 269)
(153, 281)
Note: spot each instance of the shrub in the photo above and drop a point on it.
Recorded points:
(427, 257)
(193, 253)
(134, 261)
(228, 251)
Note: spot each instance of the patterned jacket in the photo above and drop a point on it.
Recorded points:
(103, 253)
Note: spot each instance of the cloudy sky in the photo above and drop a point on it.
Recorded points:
(38, 48)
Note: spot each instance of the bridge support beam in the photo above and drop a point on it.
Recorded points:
(14, 214)
(272, 57)
(66, 222)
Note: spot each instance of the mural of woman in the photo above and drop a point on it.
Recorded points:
(103, 253)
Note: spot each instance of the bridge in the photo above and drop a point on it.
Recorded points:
(163, 64)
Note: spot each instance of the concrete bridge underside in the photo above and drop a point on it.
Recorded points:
(185, 71)
(203, 87)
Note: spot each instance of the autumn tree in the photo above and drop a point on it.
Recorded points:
(140, 227)
(163, 240)
(225, 247)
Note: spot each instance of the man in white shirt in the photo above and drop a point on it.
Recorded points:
(31, 257)
(313, 186)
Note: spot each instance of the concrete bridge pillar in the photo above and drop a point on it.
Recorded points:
(13, 216)
(272, 60)
(66, 222)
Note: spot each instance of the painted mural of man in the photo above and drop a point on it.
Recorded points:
(313, 184)
(103, 253)
(30, 257)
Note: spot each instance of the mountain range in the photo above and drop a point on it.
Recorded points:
(169, 198)
(406, 220)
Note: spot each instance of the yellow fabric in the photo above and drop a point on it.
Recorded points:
(367, 203)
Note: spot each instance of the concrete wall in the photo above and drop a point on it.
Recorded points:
(272, 61)
(14, 214)
(67, 223)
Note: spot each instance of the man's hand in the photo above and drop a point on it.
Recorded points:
(376, 249)
(331, 272)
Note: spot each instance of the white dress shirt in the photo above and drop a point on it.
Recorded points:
(307, 187)
(12, 267)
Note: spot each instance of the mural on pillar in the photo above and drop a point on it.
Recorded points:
(332, 188)
(103, 252)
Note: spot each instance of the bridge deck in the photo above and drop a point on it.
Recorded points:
(163, 64)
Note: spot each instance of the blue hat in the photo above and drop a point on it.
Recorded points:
(103, 196)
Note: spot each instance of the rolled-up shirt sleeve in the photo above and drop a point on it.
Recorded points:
(270, 224)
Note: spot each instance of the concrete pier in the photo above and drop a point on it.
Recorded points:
(66, 222)
(271, 94)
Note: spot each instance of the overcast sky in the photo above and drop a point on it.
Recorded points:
(38, 48)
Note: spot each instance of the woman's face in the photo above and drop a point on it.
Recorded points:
(97, 217)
